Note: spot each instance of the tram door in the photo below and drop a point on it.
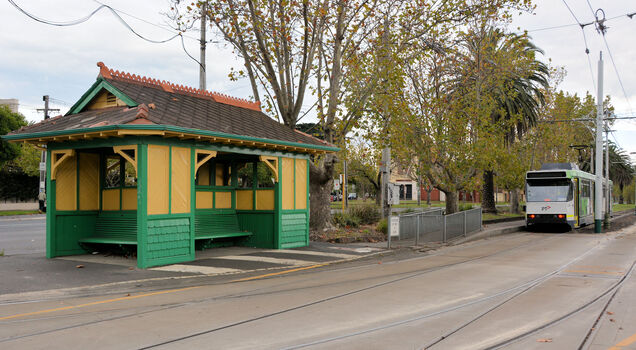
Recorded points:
(577, 201)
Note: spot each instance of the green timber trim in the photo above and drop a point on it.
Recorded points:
(88, 96)
(169, 128)
(50, 209)
(193, 202)
(307, 207)
(278, 205)
(142, 206)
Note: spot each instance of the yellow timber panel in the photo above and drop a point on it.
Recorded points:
(104, 99)
(129, 199)
(288, 183)
(223, 200)
(110, 199)
(158, 179)
(89, 181)
(66, 185)
(204, 200)
(265, 200)
(244, 200)
(180, 180)
(219, 174)
(203, 175)
(301, 184)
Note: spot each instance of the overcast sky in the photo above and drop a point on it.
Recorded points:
(38, 59)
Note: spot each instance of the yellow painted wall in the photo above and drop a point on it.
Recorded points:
(265, 200)
(100, 101)
(244, 200)
(89, 181)
(287, 183)
(66, 185)
(129, 199)
(203, 175)
(158, 179)
(204, 200)
(110, 199)
(301, 184)
(180, 180)
(223, 200)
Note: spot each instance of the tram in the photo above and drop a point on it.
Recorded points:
(560, 193)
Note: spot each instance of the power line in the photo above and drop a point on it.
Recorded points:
(587, 50)
(116, 14)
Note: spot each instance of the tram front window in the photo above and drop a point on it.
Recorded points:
(549, 191)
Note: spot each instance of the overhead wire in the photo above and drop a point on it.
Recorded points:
(587, 50)
(115, 12)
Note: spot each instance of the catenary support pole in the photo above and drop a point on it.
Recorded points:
(598, 186)
(204, 16)
(608, 202)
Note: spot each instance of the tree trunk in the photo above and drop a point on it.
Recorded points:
(320, 186)
(620, 195)
(514, 201)
(428, 196)
(488, 204)
(452, 205)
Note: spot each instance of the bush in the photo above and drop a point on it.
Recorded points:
(366, 214)
(345, 220)
(382, 226)
(465, 206)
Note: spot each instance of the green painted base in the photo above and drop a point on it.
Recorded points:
(597, 226)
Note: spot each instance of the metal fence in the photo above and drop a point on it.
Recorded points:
(433, 226)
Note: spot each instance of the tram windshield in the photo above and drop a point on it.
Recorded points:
(549, 190)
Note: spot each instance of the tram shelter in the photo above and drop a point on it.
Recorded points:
(163, 167)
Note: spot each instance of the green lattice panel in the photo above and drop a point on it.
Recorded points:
(168, 238)
(293, 230)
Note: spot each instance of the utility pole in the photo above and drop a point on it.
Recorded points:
(42, 190)
(345, 189)
(204, 15)
(598, 187)
(606, 182)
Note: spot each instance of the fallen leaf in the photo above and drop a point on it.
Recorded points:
(612, 320)
(131, 268)
(128, 294)
(544, 340)
(610, 313)
(80, 266)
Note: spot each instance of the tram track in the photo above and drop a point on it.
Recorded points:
(402, 277)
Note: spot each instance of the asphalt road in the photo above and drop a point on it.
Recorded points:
(25, 234)
(519, 291)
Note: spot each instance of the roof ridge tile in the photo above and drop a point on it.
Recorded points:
(109, 73)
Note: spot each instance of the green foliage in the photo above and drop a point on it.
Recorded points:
(365, 214)
(9, 121)
(18, 185)
(465, 206)
(345, 220)
(382, 226)
(27, 161)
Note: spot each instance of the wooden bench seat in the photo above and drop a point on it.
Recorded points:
(113, 230)
(221, 225)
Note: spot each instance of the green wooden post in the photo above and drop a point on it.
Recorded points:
(50, 209)
(142, 205)
(307, 207)
(193, 201)
(278, 205)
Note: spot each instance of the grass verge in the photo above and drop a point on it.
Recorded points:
(18, 212)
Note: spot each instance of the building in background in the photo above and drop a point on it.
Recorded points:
(12, 103)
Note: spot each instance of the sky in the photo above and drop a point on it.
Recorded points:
(37, 59)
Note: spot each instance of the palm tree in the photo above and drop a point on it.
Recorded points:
(518, 98)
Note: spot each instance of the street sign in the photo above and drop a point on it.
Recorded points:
(42, 184)
(336, 184)
(395, 226)
(42, 166)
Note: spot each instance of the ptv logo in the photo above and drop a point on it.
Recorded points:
(547, 207)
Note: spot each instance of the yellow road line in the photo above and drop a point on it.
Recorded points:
(625, 342)
(279, 273)
(96, 303)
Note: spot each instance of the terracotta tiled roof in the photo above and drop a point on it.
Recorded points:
(164, 103)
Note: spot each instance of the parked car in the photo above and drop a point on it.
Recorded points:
(352, 195)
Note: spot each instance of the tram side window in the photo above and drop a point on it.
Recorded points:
(585, 192)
